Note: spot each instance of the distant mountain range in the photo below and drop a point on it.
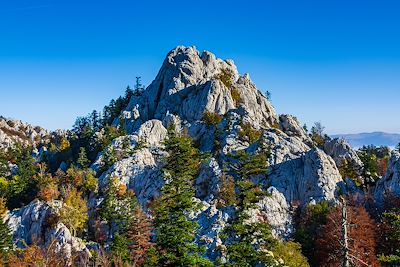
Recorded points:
(375, 138)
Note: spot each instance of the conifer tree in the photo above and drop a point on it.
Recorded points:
(6, 244)
(83, 161)
(389, 233)
(249, 242)
(175, 233)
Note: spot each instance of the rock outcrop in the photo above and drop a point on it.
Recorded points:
(36, 223)
(340, 151)
(15, 131)
(389, 185)
(190, 83)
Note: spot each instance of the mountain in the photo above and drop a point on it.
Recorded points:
(374, 138)
(243, 138)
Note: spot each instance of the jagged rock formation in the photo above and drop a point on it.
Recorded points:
(15, 131)
(390, 183)
(32, 224)
(340, 150)
(188, 85)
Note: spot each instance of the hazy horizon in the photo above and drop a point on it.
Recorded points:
(337, 63)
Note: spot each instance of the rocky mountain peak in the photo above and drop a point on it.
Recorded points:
(191, 83)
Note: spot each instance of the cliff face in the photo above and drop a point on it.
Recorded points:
(188, 86)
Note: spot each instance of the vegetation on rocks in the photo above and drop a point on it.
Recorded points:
(211, 118)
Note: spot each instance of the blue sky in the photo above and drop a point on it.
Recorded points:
(332, 61)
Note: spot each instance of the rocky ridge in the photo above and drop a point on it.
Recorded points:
(188, 85)
(15, 131)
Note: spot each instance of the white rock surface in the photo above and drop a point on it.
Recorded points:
(187, 86)
(15, 131)
(312, 177)
(340, 150)
(390, 183)
(28, 225)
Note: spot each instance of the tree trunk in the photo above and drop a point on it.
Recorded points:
(345, 240)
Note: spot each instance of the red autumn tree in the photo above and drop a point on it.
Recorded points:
(140, 234)
(349, 233)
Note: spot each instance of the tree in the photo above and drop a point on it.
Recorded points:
(6, 244)
(249, 238)
(226, 194)
(250, 241)
(138, 86)
(48, 188)
(74, 212)
(348, 237)
(347, 170)
(140, 233)
(309, 223)
(22, 188)
(389, 232)
(175, 233)
(3, 206)
(118, 204)
(83, 161)
(317, 134)
(95, 120)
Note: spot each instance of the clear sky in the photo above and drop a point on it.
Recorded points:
(332, 61)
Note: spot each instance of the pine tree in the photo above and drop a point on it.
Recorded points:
(138, 86)
(389, 233)
(175, 233)
(83, 161)
(6, 244)
(249, 242)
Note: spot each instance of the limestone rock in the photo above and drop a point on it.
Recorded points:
(140, 172)
(312, 177)
(152, 132)
(290, 125)
(30, 224)
(390, 183)
(15, 131)
(340, 150)
(188, 84)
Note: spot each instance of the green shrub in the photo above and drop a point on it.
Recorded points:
(211, 118)
(290, 253)
(276, 125)
(247, 131)
(226, 77)
(236, 96)
(226, 194)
